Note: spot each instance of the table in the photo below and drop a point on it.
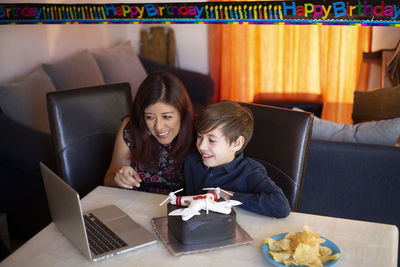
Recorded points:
(361, 243)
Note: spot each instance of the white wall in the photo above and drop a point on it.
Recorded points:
(382, 38)
(385, 37)
(24, 47)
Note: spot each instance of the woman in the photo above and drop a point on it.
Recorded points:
(153, 142)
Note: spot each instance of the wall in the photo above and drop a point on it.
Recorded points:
(382, 38)
(385, 37)
(24, 47)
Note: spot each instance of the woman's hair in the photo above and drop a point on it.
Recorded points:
(234, 120)
(161, 86)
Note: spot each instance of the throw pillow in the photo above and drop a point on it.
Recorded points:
(24, 100)
(380, 104)
(120, 64)
(76, 71)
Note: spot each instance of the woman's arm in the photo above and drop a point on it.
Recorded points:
(120, 173)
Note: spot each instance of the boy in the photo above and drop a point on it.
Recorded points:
(223, 131)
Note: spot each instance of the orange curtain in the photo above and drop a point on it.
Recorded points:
(249, 59)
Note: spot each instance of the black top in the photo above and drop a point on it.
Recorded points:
(163, 180)
(244, 176)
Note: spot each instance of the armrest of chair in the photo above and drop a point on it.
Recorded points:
(22, 195)
(200, 87)
(22, 147)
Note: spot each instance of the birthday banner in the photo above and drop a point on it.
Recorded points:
(384, 13)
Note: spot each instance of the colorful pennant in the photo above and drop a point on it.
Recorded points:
(386, 13)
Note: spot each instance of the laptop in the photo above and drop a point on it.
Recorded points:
(98, 233)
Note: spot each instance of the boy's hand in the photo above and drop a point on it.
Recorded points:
(225, 195)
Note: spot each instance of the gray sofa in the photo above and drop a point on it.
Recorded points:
(353, 181)
(353, 171)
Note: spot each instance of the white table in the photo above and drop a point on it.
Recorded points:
(361, 243)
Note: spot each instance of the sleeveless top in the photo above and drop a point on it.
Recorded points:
(163, 180)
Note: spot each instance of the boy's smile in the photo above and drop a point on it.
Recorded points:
(215, 149)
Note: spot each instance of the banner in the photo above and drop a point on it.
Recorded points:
(384, 13)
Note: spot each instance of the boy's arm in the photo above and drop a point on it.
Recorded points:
(264, 196)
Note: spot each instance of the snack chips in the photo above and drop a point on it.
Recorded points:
(300, 249)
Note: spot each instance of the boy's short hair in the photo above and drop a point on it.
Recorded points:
(235, 121)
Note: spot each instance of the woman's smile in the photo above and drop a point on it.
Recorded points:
(163, 122)
(164, 134)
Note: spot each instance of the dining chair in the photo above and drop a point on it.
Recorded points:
(84, 123)
(281, 141)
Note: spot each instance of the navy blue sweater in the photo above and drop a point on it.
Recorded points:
(244, 176)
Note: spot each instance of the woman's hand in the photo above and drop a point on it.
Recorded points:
(127, 177)
(120, 174)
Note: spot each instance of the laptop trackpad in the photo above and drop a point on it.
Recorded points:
(126, 228)
(107, 213)
(122, 225)
(131, 232)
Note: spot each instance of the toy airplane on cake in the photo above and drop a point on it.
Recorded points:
(197, 203)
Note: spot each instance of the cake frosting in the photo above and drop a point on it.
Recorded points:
(203, 228)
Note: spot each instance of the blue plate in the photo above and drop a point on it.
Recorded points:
(327, 243)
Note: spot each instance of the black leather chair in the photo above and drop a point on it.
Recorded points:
(83, 124)
(281, 142)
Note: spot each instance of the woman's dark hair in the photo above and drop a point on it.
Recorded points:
(161, 86)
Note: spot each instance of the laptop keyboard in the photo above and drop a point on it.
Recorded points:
(101, 238)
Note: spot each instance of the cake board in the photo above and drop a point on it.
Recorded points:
(160, 225)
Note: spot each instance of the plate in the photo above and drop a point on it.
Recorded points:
(335, 249)
(160, 225)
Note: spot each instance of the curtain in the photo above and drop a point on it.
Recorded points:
(246, 60)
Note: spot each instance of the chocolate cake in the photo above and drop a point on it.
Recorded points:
(204, 228)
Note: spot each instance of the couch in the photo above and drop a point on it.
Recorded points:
(25, 134)
(353, 171)
(353, 181)
(308, 102)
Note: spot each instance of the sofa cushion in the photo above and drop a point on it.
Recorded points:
(383, 132)
(380, 104)
(24, 100)
(76, 71)
(325, 130)
(120, 64)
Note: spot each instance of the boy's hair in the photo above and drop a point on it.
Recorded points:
(235, 121)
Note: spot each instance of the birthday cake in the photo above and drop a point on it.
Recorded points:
(203, 228)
